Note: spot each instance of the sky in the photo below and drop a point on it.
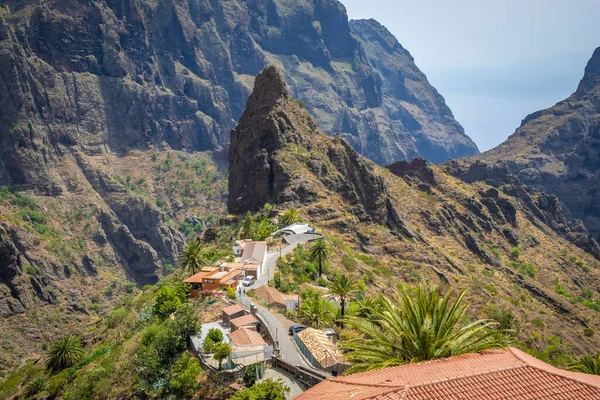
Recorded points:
(494, 61)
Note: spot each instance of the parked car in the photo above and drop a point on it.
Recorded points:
(296, 328)
(248, 281)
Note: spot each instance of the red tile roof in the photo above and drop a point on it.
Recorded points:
(243, 320)
(197, 278)
(233, 309)
(246, 337)
(508, 374)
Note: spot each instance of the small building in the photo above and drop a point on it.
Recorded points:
(297, 229)
(196, 280)
(245, 321)
(248, 347)
(319, 350)
(222, 279)
(274, 298)
(255, 253)
(239, 245)
(489, 375)
(232, 312)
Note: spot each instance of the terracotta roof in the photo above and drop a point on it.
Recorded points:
(270, 295)
(323, 350)
(508, 374)
(244, 320)
(254, 252)
(197, 278)
(233, 309)
(246, 337)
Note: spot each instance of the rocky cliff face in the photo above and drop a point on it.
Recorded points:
(277, 148)
(557, 151)
(413, 222)
(117, 75)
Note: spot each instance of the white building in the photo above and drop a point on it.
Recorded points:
(297, 229)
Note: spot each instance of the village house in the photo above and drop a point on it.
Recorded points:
(214, 278)
(297, 228)
(232, 312)
(274, 298)
(489, 375)
(318, 348)
(248, 347)
(245, 321)
(251, 257)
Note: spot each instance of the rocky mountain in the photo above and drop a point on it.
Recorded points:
(414, 222)
(556, 151)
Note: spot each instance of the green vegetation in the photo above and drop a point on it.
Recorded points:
(64, 354)
(346, 289)
(316, 311)
(257, 227)
(319, 252)
(417, 325)
(586, 365)
(295, 269)
(588, 332)
(169, 298)
(527, 269)
(560, 289)
(250, 373)
(220, 352)
(192, 258)
(37, 385)
(186, 374)
(515, 253)
(213, 337)
(265, 390)
(291, 216)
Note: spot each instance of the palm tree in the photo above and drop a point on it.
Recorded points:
(192, 259)
(418, 325)
(317, 311)
(291, 216)
(346, 288)
(587, 365)
(319, 251)
(64, 354)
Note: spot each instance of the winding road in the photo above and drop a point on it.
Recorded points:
(288, 350)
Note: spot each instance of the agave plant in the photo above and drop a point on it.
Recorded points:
(418, 325)
(587, 365)
(64, 354)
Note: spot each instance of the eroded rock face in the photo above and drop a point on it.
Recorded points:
(279, 155)
(113, 76)
(557, 151)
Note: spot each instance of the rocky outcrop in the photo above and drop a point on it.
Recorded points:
(556, 151)
(279, 155)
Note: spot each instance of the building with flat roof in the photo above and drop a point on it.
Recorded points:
(490, 375)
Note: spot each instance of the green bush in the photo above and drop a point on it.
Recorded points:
(37, 385)
(250, 374)
(185, 374)
(588, 332)
(322, 282)
(266, 390)
(231, 293)
(30, 270)
(560, 289)
(515, 253)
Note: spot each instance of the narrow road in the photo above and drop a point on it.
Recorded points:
(287, 348)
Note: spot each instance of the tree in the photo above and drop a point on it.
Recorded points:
(344, 287)
(192, 259)
(64, 354)
(319, 251)
(185, 374)
(187, 319)
(291, 216)
(248, 226)
(220, 352)
(215, 335)
(317, 311)
(418, 325)
(167, 301)
(250, 374)
(587, 365)
(265, 390)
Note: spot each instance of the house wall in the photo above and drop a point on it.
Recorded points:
(226, 318)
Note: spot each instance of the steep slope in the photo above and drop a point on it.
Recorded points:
(412, 222)
(557, 151)
(116, 75)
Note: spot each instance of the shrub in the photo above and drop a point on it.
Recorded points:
(231, 292)
(515, 253)
(322, 282)
(116, 317)
(129, 287)
(64, 354)
(538, 322)
(185, 374)
(572, 259)
(250, 374)
(35, 386)
(588, 332)
(215, 335)
(30, 270)
(349, 263)
(560, 289)
(268, 389)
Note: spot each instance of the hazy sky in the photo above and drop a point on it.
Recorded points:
(495, 61)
